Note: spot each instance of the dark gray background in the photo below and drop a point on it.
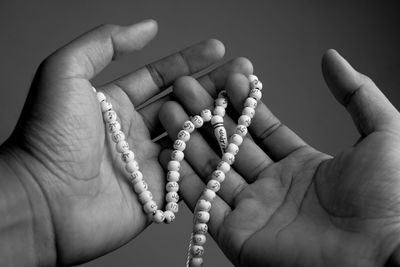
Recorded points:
(284, 40)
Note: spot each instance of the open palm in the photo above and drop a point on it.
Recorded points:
(285, 204)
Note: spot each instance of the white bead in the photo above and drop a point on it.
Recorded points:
(199, 239)
(196, 262)
(250, 102)
(188, 126)
(200, 228)
(244, 120)
(179, 145)
(218, 175)
(184, 135)
(233, 149)
(122, 146)
(128, 156)
(174, 165)
(132, 166)
(236, 139)
(208, 195)
(145, 196)
(100, 96)
(258, 86)
(140, 187)
(118, 136)
(172, 206)
(223, 166)
(222, 102)
(197, 121)
(110, 116)
(177, 155)
(220, 111)
(241, 130)
(150, 206)
(197, 251)
(256, 94)
(113, 126)
(222, 94)
(158, 216)
(203, 205)
(206, 115)
(173, 176)
(105, 106)
(169, 216)
(249, 112)
(202, 216)
(135, 177)
(172, 187)
(216, 119)
(214, 185)
(171, 197)
(228, 158)
(253, 78)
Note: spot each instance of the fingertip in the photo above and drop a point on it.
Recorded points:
(216, 48)
(243, 65)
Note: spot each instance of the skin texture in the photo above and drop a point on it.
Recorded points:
(283, 203)
(79, 201)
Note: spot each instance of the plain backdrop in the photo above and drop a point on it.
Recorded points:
(284, 39)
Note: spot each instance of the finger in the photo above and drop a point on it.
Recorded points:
(369, 108)
(150, 80)
(90, 53)
(277, 140)
(250, 160)
(199, 154)
(190, 189)
(212, 81)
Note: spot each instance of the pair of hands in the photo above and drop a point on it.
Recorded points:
(283, 203)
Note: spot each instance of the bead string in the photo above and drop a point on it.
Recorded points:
(229, 151)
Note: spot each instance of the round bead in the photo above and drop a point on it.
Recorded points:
(236, 139)
(222, 94)
(174, 165)
(249, 112)
(200, 228)
(199, 239)
(113, 126)
(135, 177)
(214, 185)
(220, 111)
(197, 121)
(110, 116)
(223, 166)
(172, 187)
(208, 194)
(206, 115)
(132, 166)
(172, 206)
(218, 175)
(122, 146)
(118, 136)
(244, 120)
(256, 94)
(216, 119)
(177, 155)
(150, 206)
(179, 145)
(172, 197)
(145, 196)
(184, 135)
(100, 96)
(202, 216)
(241, 130)
(253, 78)
(197, 251)
(128, 156)
(228, 158)
(188, 126)
(258, 86)
(158, 216)
(221, 102)
(250, 102)
(105, 106)
(203, 205)
(173, 176)
(140, 187)
(169, 216)
(232, 148)
(196, 262)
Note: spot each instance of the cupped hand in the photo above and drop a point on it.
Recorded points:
(284, 203)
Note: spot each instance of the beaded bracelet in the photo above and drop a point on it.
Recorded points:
(229, 151)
